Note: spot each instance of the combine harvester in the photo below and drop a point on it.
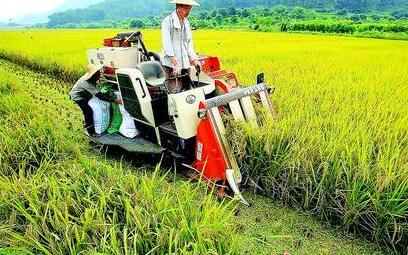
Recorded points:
(187, 125)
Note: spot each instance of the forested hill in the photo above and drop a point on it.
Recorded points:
(125, 9)
(327, 5)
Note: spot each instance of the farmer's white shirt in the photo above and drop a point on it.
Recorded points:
(177, 40)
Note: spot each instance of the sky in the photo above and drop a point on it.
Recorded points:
(12, 8)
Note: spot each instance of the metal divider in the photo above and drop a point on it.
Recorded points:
(242, 109)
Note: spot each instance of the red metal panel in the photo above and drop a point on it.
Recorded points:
(209, 157)
(107, 42)
(209, 64)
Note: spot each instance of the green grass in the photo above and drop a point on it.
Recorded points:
(57, 197)
(268, 227)
(14, 251)
(68, 190)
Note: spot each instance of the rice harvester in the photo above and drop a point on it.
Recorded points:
(187, 125)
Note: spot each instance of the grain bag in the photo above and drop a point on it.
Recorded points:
(128, 127)
(101, 114)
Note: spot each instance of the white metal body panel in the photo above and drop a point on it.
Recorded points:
(249, 110)
(203, 77)
(236, 110)
(117, 57)
(185, 107)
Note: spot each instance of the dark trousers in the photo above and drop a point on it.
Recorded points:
(88, 115)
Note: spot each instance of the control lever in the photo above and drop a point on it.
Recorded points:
(198, 69)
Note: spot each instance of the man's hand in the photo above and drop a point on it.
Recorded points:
(176, 66)
(176, 70)
(196, 64)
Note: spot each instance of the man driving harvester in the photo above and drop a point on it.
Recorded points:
(178, 49)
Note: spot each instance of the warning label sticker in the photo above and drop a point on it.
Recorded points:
(199, 154)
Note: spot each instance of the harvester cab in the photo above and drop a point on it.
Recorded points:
(187, 125)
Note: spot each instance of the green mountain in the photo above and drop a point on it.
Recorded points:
(76, 4)
(125, 9)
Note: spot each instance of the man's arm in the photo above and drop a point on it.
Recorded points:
(168, 50)
(190, 50)
(94, 91)
(192, 55)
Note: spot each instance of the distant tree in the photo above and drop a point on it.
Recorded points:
(375, 17)
(152, 21)
(400, 14)
(203, 15)
(281, 14)
(264, 12)
(342, 12)
(137, 23)
(245, 13)
(280, 10)
(94, 25)
(232, 11)
(115, 24)
(355, 6)
(255, 26)
(124, 10)
(355, 17)
(284, 26)
(155, 22)
(219, 18)
(71, 25)
(96, 15)
(76, 16)
(298, 13)
(382, 5)
(223, 12)
(362, 16)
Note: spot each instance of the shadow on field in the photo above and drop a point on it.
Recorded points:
(164, 163)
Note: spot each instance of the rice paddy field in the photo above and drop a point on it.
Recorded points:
(338, 149)
(59, 195)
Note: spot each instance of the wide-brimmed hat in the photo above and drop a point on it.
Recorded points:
(186, 2)
(91, 70)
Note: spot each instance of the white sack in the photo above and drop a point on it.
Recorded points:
(128, 127)
(101, 114)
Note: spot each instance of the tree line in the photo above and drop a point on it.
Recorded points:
(119, 10)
